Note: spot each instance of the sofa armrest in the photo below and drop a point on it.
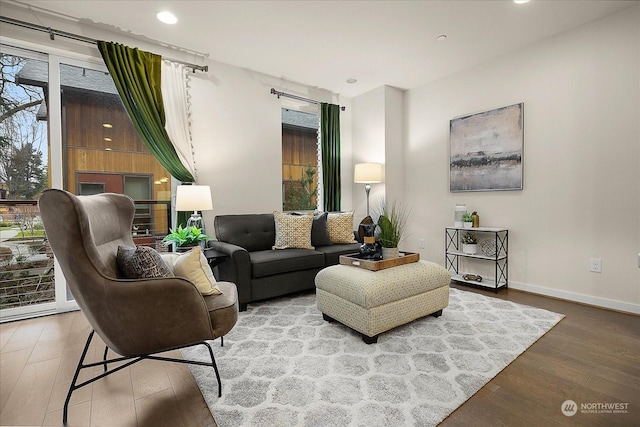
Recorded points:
(236, 269)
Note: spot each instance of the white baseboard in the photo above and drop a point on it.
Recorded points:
(572, 296)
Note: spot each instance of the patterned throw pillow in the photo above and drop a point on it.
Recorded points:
(292, 231)
(341, 227)
(141, 262)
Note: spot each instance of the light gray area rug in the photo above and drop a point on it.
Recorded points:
(283, 365)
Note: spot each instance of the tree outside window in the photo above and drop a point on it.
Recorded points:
(23, 171)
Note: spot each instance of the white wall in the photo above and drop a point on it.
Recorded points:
(236, 122)
(237, 138)
(368, 145)
(378, 134)
(581, 197)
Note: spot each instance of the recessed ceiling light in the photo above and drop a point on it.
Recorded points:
(520, 1)
(441, 37)
(351, 81)
(107, 125)
(108, 149)
(107, 139)
(167, 17)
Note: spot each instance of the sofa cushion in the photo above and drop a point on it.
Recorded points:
(267, 263)
(341, 227)
(292, 231)
(332, 253)
(254, 232)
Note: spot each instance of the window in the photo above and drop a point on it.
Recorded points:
(63, 126)
(89, 188)
(299, 160)
(26, 261)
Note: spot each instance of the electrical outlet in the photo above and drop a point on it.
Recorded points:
(421, 243)
(596, 265)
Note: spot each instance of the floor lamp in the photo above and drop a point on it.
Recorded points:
(194, 198)
(367, 173)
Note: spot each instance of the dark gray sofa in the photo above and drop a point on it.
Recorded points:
(261, 272)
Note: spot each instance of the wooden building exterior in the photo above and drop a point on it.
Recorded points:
(299, 154)
(102, 151)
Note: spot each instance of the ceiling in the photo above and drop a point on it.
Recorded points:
(324, 43)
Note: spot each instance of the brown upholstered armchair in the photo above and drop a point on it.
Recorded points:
(135, 318)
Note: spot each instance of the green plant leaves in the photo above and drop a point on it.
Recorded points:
(184, 236)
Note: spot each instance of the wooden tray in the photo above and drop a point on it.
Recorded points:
(356, 261)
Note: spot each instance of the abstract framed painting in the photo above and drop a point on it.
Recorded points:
(485, 151)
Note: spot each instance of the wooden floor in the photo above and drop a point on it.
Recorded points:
(37, 361)
(592, 357)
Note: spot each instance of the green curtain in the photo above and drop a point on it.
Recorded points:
(137, 75)
(330, 146)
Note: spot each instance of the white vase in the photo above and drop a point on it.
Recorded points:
(468, 224)
(388, 253)
(470, 248)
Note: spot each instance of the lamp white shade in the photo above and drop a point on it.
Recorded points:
(193, 198)
(367, 173)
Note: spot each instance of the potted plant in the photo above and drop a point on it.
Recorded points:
(467, 220)
(392, 221)
(184, 238)
(469, 243)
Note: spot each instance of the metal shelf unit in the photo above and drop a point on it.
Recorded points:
(453, 253)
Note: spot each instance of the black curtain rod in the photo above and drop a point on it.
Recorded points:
(53, 32)
(299, 98)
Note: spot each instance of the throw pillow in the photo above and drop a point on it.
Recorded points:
(320, 230)
(341, 227)
(292, 231)
(193, 266)
(141, 262)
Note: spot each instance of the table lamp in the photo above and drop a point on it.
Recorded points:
(194, 198)
(367, 173)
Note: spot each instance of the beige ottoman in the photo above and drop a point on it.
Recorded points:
(372, 302)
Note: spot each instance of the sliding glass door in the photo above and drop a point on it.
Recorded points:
(27, 282)
(62, 125)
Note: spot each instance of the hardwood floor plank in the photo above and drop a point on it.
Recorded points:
(193, 408)
(6, 332)
(149, 377)
(53, 339)
(112, 401)
(79, 416)
(27, 404)
(11, 366)
(26, 335)
(63, 380)
(159, 410)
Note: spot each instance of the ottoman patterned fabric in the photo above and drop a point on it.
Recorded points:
(373, 302)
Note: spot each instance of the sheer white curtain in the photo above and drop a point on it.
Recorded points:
(175, 87)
